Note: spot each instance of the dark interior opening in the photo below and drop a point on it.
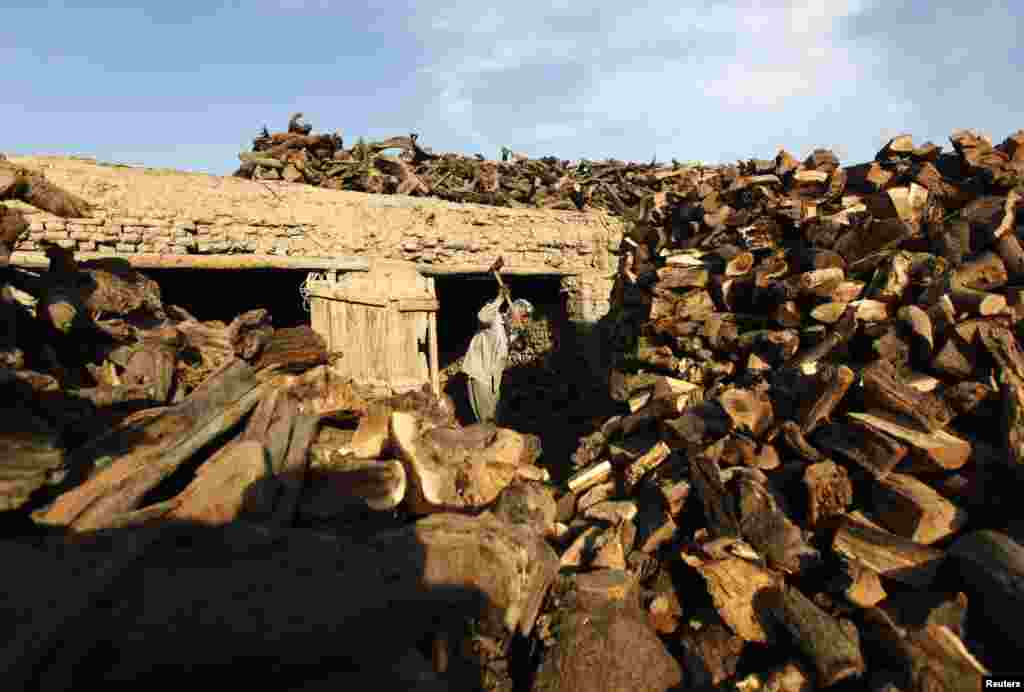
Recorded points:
(547, 393)
(224, 294)
(461, 298)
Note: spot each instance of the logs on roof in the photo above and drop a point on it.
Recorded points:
(401, 165)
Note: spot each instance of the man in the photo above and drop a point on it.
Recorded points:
(487, 356)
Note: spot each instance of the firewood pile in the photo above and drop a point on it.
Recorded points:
(90, 350)
(811, 484)
(169, 466)
(821, 384)
(400, 165)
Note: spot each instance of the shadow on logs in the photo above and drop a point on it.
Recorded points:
(183, 600)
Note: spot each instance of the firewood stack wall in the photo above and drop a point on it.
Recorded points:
(819, 370)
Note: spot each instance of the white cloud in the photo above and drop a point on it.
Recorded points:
(545, 132)
(593, 78)
(746, 86)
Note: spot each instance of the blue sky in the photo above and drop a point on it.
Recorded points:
(187, 84)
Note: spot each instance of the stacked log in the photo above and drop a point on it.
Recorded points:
(820, 380)
(400, 165)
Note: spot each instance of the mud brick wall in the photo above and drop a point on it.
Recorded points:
(148, 211)
(124, 235)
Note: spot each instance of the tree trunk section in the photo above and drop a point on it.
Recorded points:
(142, 455)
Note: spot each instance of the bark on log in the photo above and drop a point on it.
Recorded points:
(992, 567)
(737, 588)
(955, 358)
(936, 451)
(872, 450)
(891, 556)
(799, 444)
(711, 655)
(832, 645)
(102, 397)
(271, 425)
(292, 349)
(152, 365)
(910, 508)
(78, 581)
(291, 476)
(825, 389)
(596, 589)
(720, 512)
(765, 526)
(650, 460)
(893, 345)
(586, 655)
(225, 487)
(1004, 349)
(942, 314)
(940, 662)
(917, 609)
(677, 277)
(408, 182)
(661, 406)
(13, 225)
(1011, 389)
(445, 566)
(891, 280)
(31, 455)
(933, 656)
(599, 546)
(111, 287)
(33, 188)
(829, 491)
(739, 450)
(138, 456)
(839, 334)
(788, 315)
(964, 397)
(245, 336)
(1006, 242)
(884, 386)
(986, 272)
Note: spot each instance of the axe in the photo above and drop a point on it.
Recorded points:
(496, 270)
